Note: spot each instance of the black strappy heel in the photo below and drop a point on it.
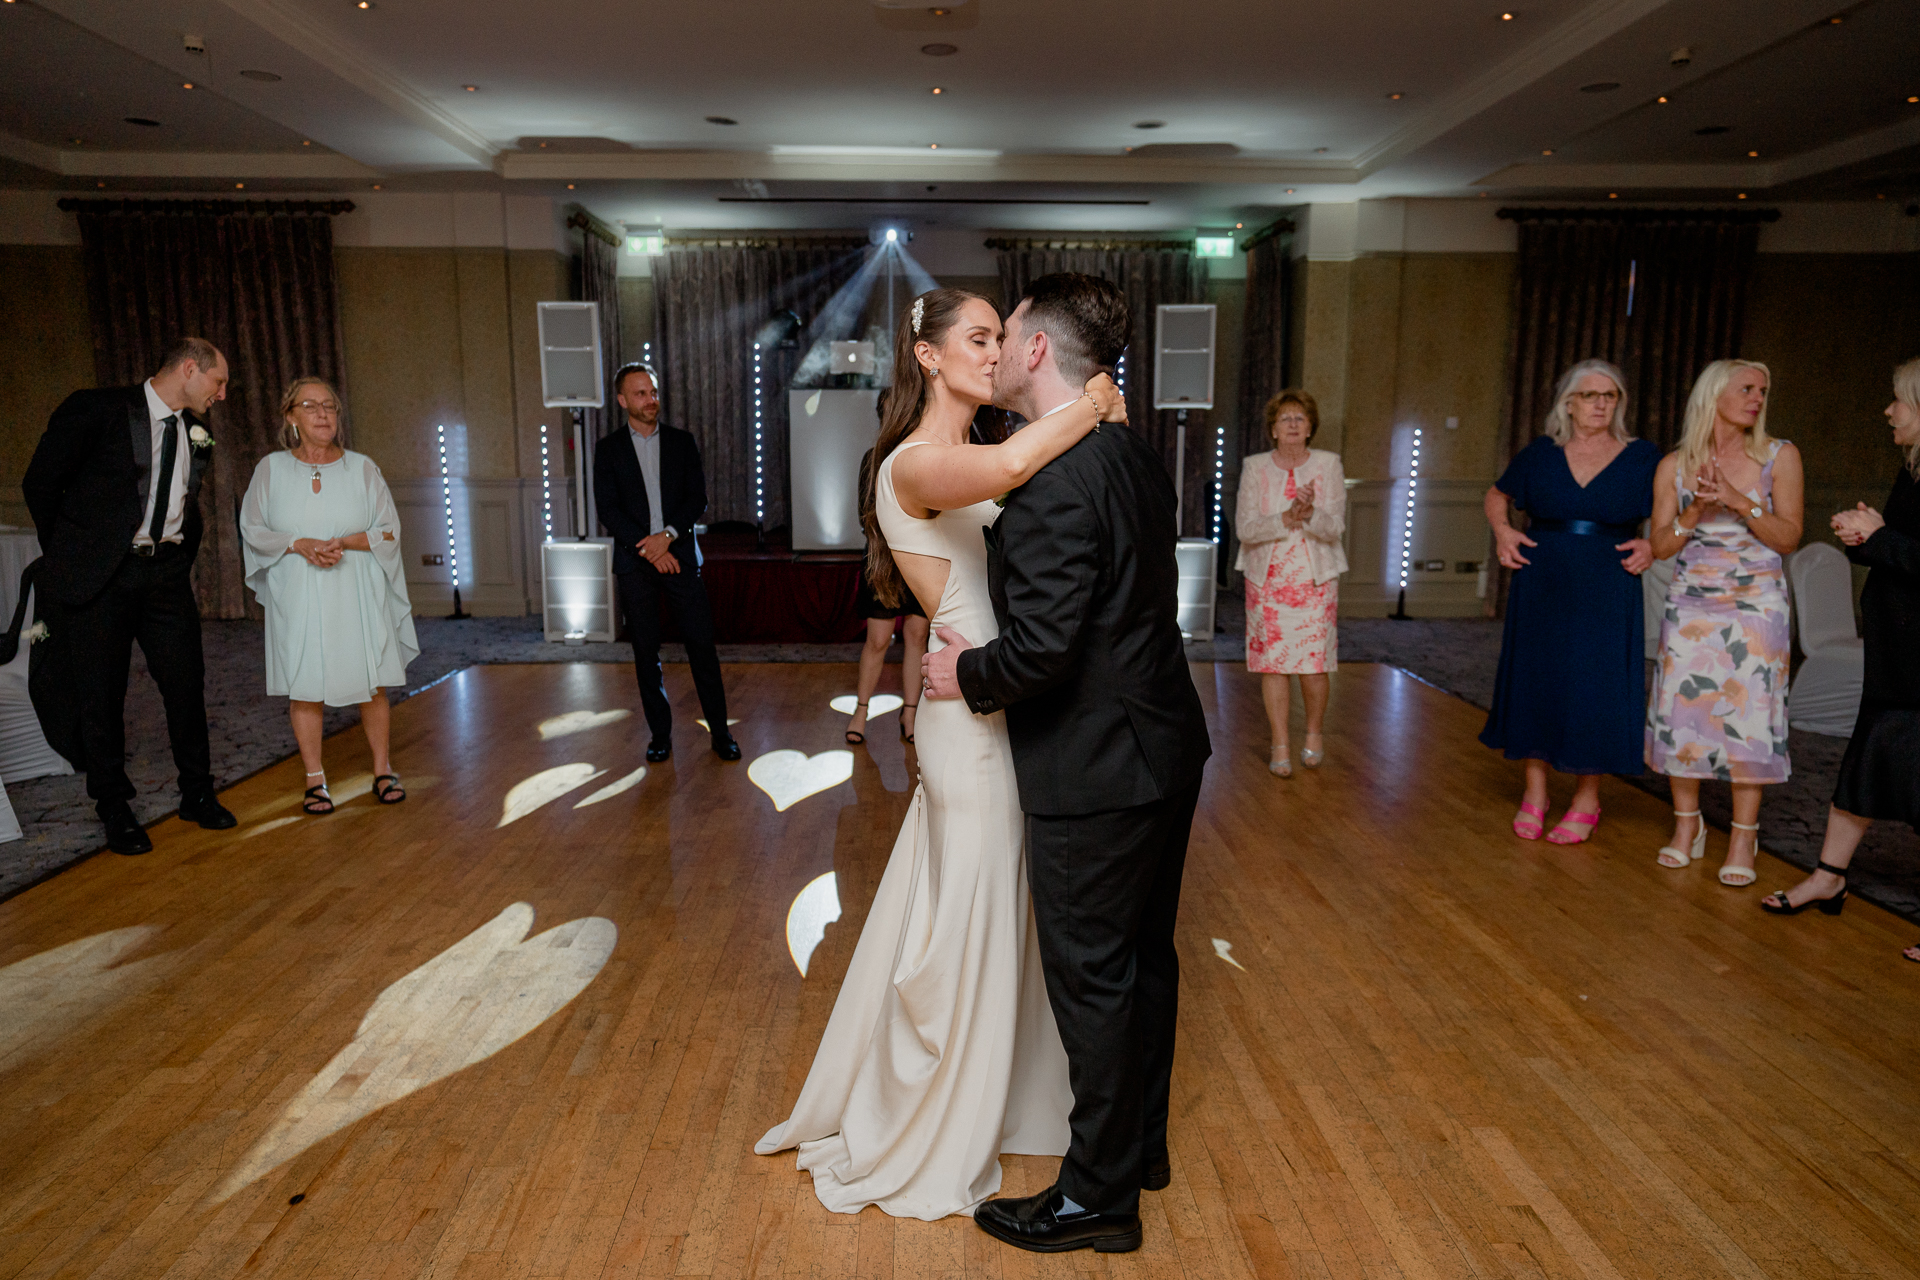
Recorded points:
(854, 736)
(1777, 902)
(914, 707)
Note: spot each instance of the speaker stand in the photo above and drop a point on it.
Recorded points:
(1400, 614)
(458, 614)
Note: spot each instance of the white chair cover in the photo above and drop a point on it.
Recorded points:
(24, 752)
(1825, 696)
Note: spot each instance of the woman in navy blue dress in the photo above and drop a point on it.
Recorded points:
(1571, 691)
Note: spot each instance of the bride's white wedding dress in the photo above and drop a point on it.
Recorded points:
(941, 1052)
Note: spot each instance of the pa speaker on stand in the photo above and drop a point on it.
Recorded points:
(576, 578)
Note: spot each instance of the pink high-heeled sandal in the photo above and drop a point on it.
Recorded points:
(1529, 830)
(1565, 832)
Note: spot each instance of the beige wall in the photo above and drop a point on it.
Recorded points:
(48, 354)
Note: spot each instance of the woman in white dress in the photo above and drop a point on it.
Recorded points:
(941, 1052)
(323, 556)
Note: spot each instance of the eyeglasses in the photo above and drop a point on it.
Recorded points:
(317, 406)
(1597, 397)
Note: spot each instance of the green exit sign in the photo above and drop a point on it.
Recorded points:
(647, 244)
(1213, 247)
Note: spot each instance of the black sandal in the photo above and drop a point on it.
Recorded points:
(1826, 906)
(317, 796)
(914, 707)
(388, 796)
(854, 736)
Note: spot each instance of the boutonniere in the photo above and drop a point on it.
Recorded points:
(198, 438)
(1001, 501)
(37, 632)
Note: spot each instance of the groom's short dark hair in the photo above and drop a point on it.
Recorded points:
(1086, 319)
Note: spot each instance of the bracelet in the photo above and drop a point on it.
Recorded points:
(1679, 530)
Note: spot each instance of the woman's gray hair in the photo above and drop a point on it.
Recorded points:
(1560, 422)
(1906, 389)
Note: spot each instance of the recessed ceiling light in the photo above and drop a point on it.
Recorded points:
(1613, 195)
(939, 50)
(306, 142)
(1395, 97)
(239, 186)
(1741, 196)
(187, 85)
(1836, 19)
(1319, 151)
(76, 141)
(471, 88)
(1237, 226)
(143, 122)
(1600, 86)
(264, 77)
(721, 120)
(1753, 155)
(1661, 98)
(376, 186)
(365, 4)
(1506, 17)
(102, 184)
(938, 90)
(1547, 152)
(1149, 124)
(933, 146)
(1289, 190)
(1914, 99)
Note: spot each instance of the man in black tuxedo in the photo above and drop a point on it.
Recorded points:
(114, 489)
(650, 490)
(1109, 744)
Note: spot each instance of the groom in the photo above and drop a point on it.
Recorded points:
(1109, 743)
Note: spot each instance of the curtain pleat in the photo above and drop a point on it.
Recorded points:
(1661, 299)
(600, 284)
(1150, 278)
(258, 285)
(1265, 338)
(710, 306)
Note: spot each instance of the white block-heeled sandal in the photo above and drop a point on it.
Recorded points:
(1741, 877)
(1675, 859)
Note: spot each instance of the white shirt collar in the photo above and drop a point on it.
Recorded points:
(157, 409)
(637, 435)
(1057, 408)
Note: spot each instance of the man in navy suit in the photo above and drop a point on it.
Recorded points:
(114, 489)
(650, 490)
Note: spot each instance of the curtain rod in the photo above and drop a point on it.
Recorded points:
(1533, 213)
(580, 218)
(72, 204)
(1278, 227)
(766, 242)
(1105, 245)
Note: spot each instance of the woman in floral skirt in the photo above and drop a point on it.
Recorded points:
(1728, 502)
(1291, 516)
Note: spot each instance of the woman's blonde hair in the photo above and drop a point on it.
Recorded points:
(1696, 436)
(290, 434)
(1560, 422)
(1906, 389)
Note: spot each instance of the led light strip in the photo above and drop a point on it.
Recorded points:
(546, 482)
(759, 485)
(1406, 525)
(446, 495)
(1219, 476)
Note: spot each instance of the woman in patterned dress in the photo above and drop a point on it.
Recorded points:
(1728, 502)
(1291, 515)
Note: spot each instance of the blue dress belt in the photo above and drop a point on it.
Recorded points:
(1624, 532)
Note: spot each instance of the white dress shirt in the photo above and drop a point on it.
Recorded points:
(647, 450)
(157, 413)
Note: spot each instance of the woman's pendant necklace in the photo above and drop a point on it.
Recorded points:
(316, 478)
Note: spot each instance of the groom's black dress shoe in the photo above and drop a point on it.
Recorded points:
(204, 809)
(1038, 1223)
(659, 749)
(124, 833)
(1158, 1174)
(725, 747)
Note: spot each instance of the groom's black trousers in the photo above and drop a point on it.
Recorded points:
(1106, 891)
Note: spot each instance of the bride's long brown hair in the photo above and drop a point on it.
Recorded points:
(903, 404)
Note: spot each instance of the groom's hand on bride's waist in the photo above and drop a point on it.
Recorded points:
(940, 679)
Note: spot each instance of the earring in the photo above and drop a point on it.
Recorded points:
(934, 372)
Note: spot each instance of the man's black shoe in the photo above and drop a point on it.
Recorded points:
(1037, 1223)
(124, 834)
(207, 811)
(1158, 1174)
(725, 747)
(659, 749)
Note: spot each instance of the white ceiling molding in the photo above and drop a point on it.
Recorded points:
(46, 159)
(1592, 25)
(1632, 177)
(295, 29)
(323, 167)
(1847, 151)
(877, 165)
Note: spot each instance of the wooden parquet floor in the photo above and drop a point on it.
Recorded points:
(318, 1047)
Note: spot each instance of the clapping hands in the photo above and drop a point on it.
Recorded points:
(1856, 526)
(318, 552)
(1301, 512)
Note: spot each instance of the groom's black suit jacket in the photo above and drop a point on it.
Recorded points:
(87, 489)
(1090, 666)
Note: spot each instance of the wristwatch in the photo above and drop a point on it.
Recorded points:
(673, 534)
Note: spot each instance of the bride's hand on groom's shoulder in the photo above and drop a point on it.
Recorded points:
(1107, 400)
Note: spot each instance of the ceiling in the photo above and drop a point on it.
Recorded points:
(1256, 104)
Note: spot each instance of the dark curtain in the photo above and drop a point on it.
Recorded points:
(255, 278)
(710, 306)
(1659, 292)
(599, 281)
(1150, 277)
(1265, 339)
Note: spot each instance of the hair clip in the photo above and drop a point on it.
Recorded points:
(919, 313)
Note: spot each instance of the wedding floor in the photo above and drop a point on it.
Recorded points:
(530, 1022)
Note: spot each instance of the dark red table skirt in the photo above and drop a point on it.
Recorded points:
(770, 597)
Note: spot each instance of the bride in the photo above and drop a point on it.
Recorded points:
(941, 1052)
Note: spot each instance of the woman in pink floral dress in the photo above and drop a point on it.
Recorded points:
(1729, 503)
(1291, 516)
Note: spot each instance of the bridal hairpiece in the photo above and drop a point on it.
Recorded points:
(919, 312)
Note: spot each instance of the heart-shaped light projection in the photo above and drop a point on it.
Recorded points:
(1224, 949)
(461, 1007)
(578, 722)
(50, 993)
(788, 777)
(878, 705)
(814, 908)
(542, 788)
(702, 722)
(613, 789)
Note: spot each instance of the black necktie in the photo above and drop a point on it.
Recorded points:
(163, 487)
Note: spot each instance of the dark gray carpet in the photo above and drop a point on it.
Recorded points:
(250, 732)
